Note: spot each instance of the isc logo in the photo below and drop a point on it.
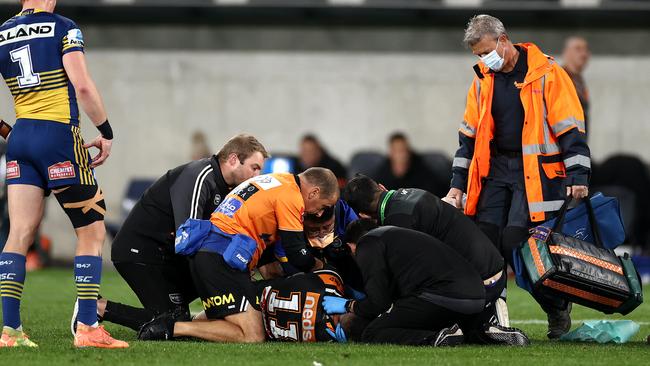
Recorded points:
(83, 279)
(218, 301)
(7, 276)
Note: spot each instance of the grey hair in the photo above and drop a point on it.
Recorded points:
(480, 26)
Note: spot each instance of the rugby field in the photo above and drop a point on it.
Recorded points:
(48, 302)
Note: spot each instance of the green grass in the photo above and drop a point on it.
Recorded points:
(49, 294)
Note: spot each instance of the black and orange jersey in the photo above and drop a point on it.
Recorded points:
(292, 308)
(32, 45)
(260, 207)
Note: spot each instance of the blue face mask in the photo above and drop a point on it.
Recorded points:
(493, 60)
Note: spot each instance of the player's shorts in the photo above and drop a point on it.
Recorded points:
(47, 154)
(223, 290)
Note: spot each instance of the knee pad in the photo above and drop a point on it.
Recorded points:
(84, 204)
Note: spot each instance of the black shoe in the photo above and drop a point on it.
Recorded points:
(448, 337)
(559, 322)
(161, 328)
(498, 334)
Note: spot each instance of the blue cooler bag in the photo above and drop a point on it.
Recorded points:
(193, 235)
(608, 219)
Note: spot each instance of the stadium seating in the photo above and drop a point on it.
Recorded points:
(365, 162)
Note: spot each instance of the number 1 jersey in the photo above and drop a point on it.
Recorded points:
(32, 45)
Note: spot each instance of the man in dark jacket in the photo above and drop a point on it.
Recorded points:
(422, 211)
(419, 291)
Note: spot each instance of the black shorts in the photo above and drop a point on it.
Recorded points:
(223, 290)
(161, 288)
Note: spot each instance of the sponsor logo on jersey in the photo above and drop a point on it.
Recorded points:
(218, 300)
(229, 206)
(176, 298)
(24, 32)
(309, 311)
(181, 238)
(266, 182)
(64, 170)
(75, 37)
(247, 191)
(13, 170)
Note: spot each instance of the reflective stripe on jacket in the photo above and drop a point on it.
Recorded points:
(554, 147)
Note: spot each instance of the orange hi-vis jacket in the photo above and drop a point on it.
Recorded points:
(554, 149)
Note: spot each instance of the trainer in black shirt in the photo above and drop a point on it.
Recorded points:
(419, 291)
(143, 249)
(422, 211)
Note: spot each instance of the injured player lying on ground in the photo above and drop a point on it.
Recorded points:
(292, 311)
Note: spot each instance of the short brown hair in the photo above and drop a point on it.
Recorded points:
(244, 146)
(324, 179)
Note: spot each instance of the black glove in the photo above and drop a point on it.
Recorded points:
(161, 328)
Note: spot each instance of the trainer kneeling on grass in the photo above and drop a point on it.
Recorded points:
(224, 250)
(417, 209)
(143, 249)
(419, 291)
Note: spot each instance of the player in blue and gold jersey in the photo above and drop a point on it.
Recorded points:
(42, 62)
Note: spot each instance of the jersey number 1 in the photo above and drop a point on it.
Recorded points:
(28, 77)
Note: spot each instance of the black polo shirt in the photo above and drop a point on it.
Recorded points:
(507, 110)
(419, 210)
(193, 190)
(397, 263)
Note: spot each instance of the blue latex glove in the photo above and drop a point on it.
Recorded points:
(339, 335)
(335, 305)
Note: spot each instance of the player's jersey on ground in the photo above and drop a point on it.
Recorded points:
(32, 45)
(292, 307)
(260, 207)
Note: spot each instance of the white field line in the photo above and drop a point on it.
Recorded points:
(574, 321)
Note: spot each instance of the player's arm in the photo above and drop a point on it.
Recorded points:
(295, 248)
(288, 212)
(91, 102)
